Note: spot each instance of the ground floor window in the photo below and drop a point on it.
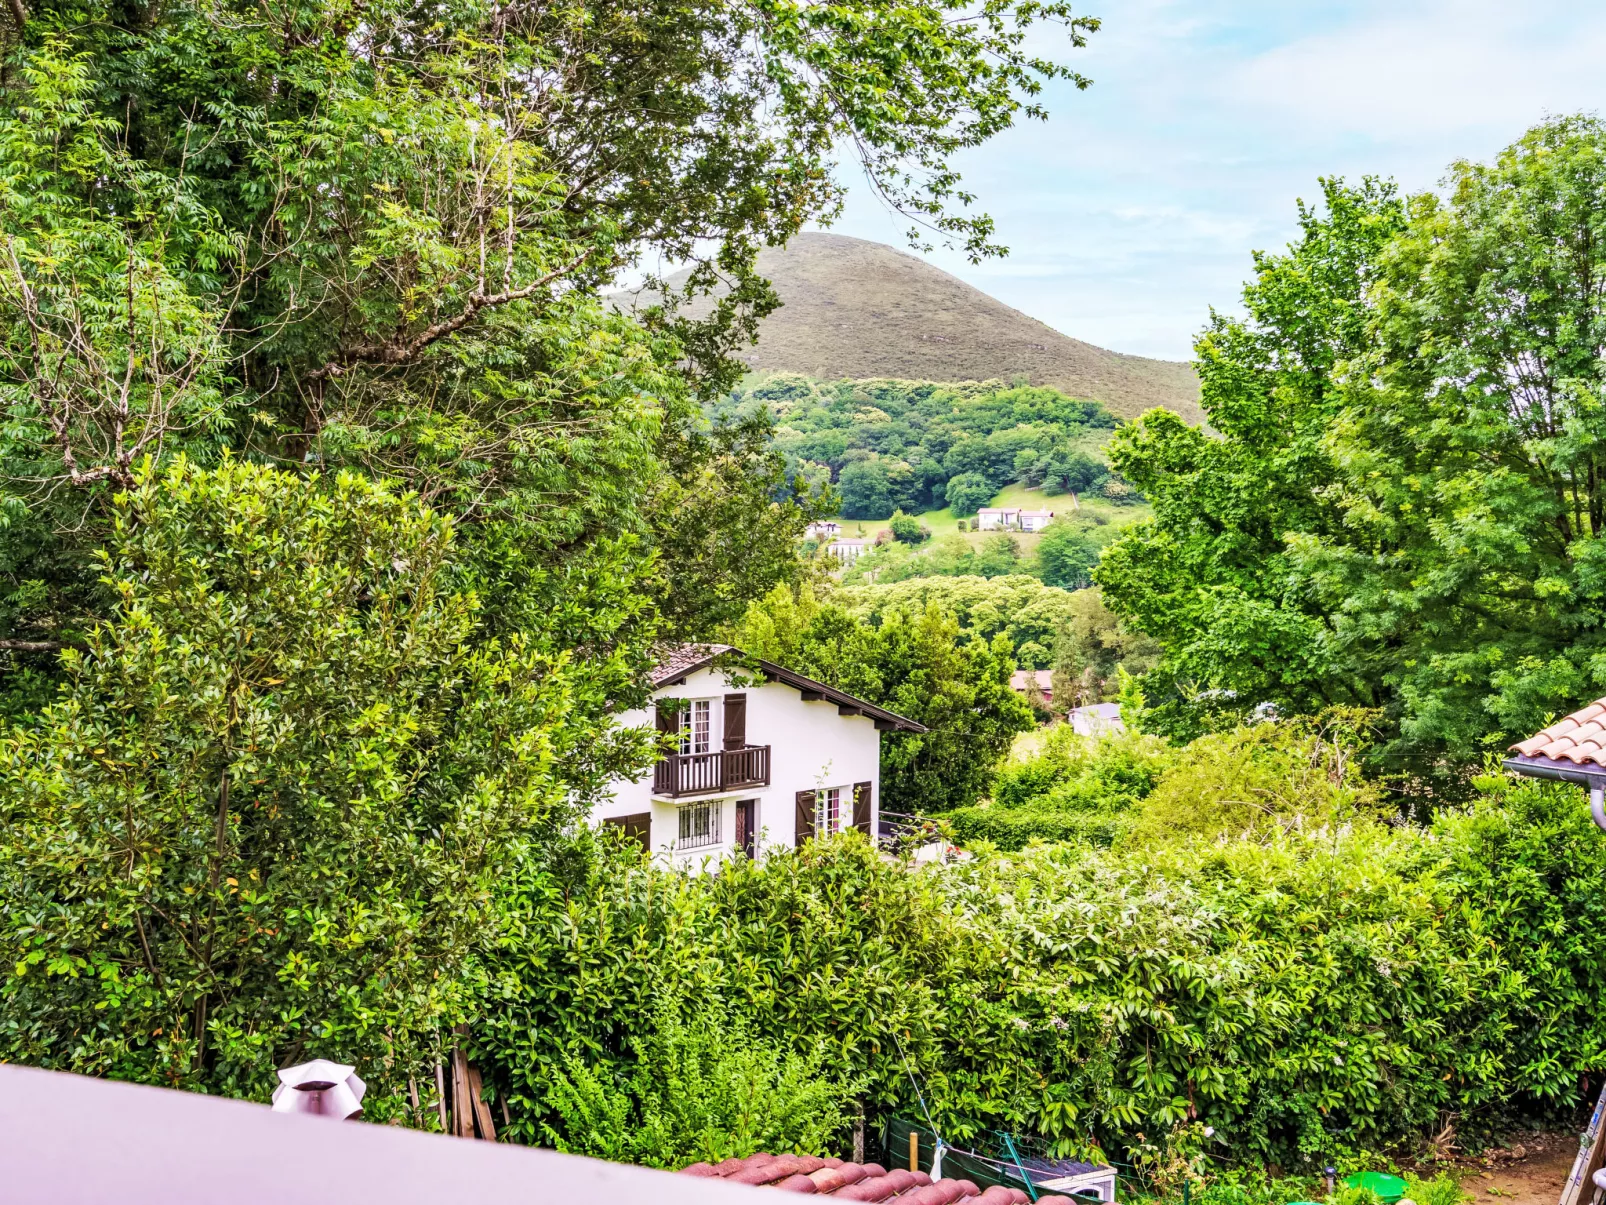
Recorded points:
(828, 810)
(699, 824)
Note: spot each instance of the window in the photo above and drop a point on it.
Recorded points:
(699, 824)
(828, 810)
(696, 726)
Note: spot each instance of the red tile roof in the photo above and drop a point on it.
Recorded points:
(1579, 738)
(857, 1181)
(675, 660)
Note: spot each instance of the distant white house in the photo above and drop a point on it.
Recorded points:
(1012, 518)
(765, 756)
(848, 550)
(822, 529)
(1096, 718)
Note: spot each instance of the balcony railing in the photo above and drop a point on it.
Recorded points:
(705, 773)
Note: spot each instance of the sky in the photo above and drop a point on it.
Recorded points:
(1133, 210)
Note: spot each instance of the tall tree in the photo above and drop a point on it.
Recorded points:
(1211, 575)
(1405, 508)
(1466, 578)
(373, 236)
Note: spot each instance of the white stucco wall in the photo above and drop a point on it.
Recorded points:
(812, 747)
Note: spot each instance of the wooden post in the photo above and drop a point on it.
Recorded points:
(858, 1139)
(440, 1096)
(914, 1150)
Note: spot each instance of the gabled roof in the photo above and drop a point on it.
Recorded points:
(858, 1181)
(1574, 745)
(678, 662)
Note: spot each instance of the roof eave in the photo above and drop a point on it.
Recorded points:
(884, 719)
(1587, 774)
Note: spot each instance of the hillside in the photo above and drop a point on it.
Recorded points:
(859, 309)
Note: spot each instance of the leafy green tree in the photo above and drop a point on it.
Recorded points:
(999, 555)
(264, 816)
(1093, 649)
(319, 248)
(1211, 576)
(865, 491)
(968, 492)
(1067, 553)
(1074, 471)
(915, 663)
(907, 529)
(1405, 511)
(1464, 582)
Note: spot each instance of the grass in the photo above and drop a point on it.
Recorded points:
(943, 523)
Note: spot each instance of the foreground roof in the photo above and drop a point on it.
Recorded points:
(858, 1181)
(678, 662)
(1576, 742)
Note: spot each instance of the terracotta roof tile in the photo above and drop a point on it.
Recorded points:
(675, 659)
(1579, 738)
(810, 1174)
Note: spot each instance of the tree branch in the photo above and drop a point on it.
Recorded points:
(396, 353)
(38, 646)
(19, 14)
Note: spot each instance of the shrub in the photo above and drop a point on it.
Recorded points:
(1309, 995)
(908, 530)
(700, 1088)
(263, 818)
(1254, 782)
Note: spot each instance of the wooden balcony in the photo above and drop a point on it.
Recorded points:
(710, 773)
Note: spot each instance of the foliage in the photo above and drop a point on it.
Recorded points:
(1032, 616)
(913, 662)
(915, 445)
(1068, 551)
(1309, 995)
(967, 493)
(323, 239)
(1404, 511)
(996, 555)
(266, 811)
(1210, 576)
(906, 529)
(1093, 649)
(1074, 788)
(1257, 782)
(699, 1088)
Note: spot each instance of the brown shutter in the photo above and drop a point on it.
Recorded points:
(805, 816)
(861, 807)
(735, 721)
(668, 715)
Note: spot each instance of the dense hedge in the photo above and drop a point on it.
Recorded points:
(1309, 991)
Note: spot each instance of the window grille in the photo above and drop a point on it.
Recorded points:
(696, 726)
(828, 811)
(699, 825)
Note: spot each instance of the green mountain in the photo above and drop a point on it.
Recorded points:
(856, 309)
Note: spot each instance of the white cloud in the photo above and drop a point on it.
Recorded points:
(1135, 208)
(1446, 68)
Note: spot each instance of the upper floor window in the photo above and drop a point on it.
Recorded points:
(697, 727)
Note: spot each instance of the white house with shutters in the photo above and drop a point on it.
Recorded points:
(764, 757)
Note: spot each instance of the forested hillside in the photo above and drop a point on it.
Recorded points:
(917, 446)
